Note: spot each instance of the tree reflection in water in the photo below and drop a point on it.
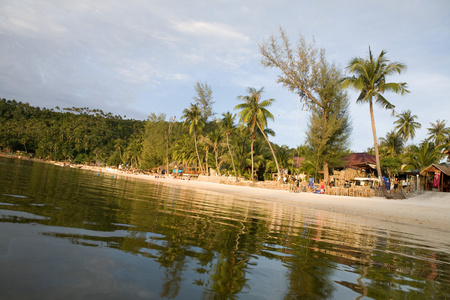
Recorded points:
(218, 246)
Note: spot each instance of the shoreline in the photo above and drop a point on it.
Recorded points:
(427, 210)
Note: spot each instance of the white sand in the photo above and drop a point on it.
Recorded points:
(428, 211)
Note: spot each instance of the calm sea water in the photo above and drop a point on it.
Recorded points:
(73, 234)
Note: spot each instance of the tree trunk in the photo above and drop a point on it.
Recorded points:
(251, 152)
(167, 159)
(273, 153)
(196, 150)
(217, 164)
(375, 145)
(206, 161)
(232, 160)
(325, 163)
(169, 131)
(326, 171)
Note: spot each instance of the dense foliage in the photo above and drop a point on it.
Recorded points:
(72, 134)
(226, 145)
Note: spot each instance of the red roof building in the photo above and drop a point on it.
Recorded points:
(360, 161)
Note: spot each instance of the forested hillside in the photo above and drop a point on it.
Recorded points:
(71, 134)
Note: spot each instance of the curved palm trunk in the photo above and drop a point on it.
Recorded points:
(375, 144)
(232, 160)
(196, 150)
(217, 164)
(273, 153)
(206, 161)
(251, 152)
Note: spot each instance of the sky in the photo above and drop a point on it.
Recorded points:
(138, 57)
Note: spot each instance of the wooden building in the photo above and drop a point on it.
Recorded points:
(363, 163)
(437, 177)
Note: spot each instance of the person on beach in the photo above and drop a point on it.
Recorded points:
(322, 187)
(395, 184)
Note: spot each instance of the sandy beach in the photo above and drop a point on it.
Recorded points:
(426, 211)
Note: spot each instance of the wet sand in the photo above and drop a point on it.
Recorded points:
(429, 210)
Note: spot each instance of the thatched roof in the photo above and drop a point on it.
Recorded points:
(360, 160)
(432, 168)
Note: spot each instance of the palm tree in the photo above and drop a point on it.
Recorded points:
(438, 133)
(183, 151)
(284, 159)
(254, 114)
(228, 127)
(391, 145)
(370, 81)
(192, 117)
(420, 157)
(406, 125)
(214, 140)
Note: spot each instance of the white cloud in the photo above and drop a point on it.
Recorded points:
(146, 55)
(215, 30)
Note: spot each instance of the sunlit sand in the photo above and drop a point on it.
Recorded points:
(426, 210)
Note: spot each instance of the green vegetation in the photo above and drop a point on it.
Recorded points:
(253, 116)
(72, 134)
(305, 71)
(198, 141)
(370, 81)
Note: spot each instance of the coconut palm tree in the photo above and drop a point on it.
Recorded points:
(438, 133)
(406, 125)
(391, 145)
(370, 80)
(228, 127)
(183, 151)
(254, 115)
(285, 159)
(420, 157)
(192, 117)
(214, 140)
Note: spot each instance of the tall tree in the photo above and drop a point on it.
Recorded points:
(329, 127)
(407, 125)
(391, 145)
(254, 114)
(302, 68)
(204, 100)
(153, 146)
(438, 133)
(167, 140)
(193, 120)
(214, 140)
(370, 80)
(420, 157)
(228, 128)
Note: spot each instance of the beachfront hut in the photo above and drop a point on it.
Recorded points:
(437, 177)
(355, 165)
(363, 162)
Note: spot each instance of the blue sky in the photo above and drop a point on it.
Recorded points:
(141, 56)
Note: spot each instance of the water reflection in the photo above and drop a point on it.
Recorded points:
(135, 239)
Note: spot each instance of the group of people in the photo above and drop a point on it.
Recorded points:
(296, 185)
(402, 183)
